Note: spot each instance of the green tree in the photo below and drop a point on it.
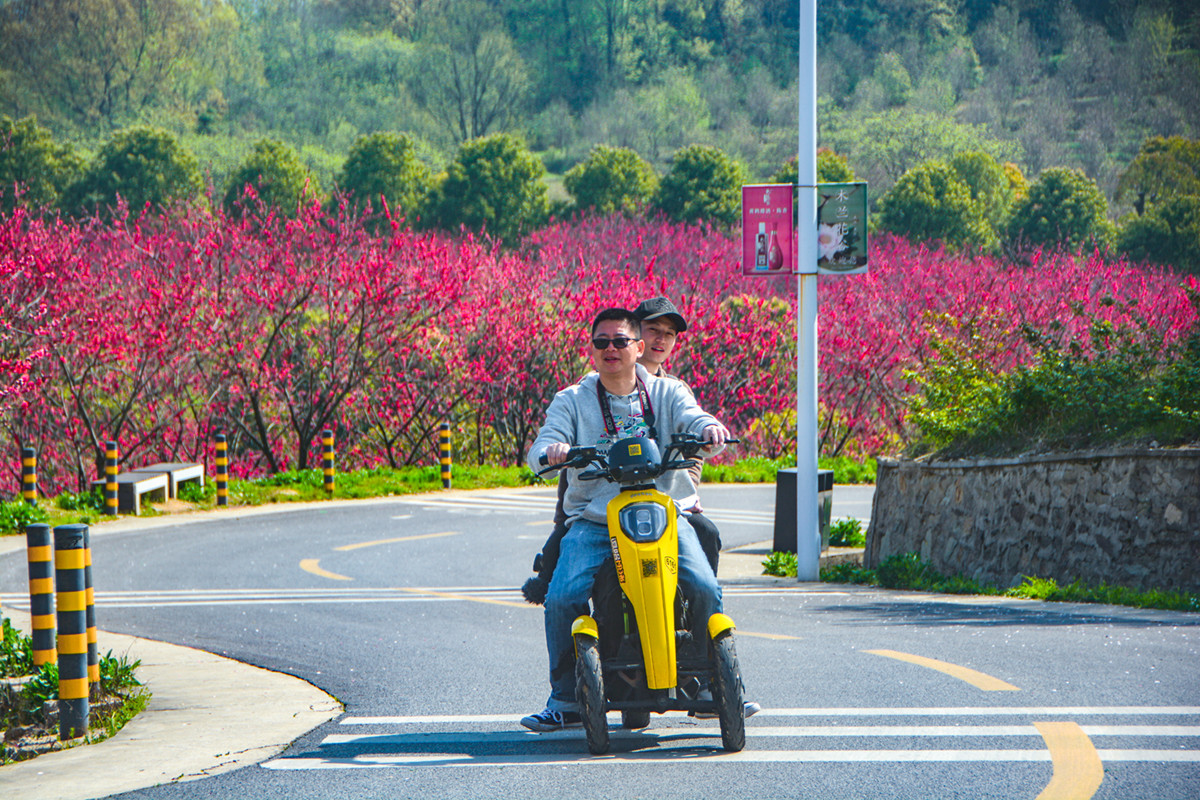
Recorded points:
(702, 184)
(273, 176)
(34, 169)
(831, 168)
(1164, 167)
(611, 179)
(142, 166)
(386, 164)
(102, 62)
(991, 190)
(495, 185)
(1168, 234)
(932, 203)
(1065, 210)
(469, 76)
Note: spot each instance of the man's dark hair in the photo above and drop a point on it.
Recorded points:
(622, 314)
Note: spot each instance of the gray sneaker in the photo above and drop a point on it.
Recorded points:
(548, 720)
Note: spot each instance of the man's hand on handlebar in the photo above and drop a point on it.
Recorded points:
(556, 453)
(716, 435)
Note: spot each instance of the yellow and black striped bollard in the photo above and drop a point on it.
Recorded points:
(327, 458)
(69, 578)
(110, 478)
(39, 544)
(444, 453)
(93, 648)
(29, 475)
(222, 471)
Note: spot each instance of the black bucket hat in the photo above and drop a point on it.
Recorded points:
(657, 307)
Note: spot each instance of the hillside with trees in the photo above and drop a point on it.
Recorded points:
(1001, 125)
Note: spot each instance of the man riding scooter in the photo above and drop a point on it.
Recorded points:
(660, 325)
(621, 399)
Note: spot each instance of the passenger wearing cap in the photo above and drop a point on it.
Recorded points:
(661, 325)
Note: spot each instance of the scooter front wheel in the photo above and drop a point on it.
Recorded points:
(727, 691)
(589, 691)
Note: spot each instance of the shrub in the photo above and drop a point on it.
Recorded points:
(34, 169)
(272, 178)
(386, 165)
(141, 166)
(493, 184)
(1065, 210)
(931, 203)
(16, 651)
(14, 516)
(1167, 234)
(702, 184)
(611, 179)
(847, 533)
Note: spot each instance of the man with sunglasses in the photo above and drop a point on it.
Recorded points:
(621, 399)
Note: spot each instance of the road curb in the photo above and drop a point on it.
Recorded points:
(207, 715)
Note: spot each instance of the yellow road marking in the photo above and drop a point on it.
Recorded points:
(393, 541)
(453, 596)
(775, 636)
(977, 679)
(1078, 770)
(312, 565)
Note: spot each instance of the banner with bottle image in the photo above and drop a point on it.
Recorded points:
(768, 230)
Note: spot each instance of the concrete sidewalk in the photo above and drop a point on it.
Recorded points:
(207, 715)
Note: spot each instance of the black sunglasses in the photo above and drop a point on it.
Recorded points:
(619, 342)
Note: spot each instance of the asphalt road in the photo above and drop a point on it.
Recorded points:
(408, 612)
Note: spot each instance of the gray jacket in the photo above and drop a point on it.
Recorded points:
(575, 418)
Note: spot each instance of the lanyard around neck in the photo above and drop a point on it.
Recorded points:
(610, 424)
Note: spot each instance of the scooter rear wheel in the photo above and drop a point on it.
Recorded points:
(589, 691)
(727, 691)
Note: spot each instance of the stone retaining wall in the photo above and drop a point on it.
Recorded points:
(1124, 517)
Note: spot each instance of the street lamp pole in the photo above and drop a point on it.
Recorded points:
(808, 534)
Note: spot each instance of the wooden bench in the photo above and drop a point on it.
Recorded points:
(131, 486)
(177, 472)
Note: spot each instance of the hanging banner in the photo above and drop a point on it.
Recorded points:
(841, 228)
(768, 230)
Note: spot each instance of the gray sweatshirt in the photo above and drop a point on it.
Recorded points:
(575, 418)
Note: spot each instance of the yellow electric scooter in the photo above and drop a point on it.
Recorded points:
(640, 651)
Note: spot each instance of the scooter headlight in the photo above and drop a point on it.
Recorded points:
(644, 522)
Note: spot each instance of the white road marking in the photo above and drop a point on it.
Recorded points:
(680, 740)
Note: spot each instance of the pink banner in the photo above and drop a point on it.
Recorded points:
(768, 236)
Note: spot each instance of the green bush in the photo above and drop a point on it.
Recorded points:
(16, 652)
(702, 184)
(1065, 210)
(272, 177)
(611, 179)
(932, 203)
(32, 160)
(1167, 234)
(906, 571)
(386, 164)
(493, 184)
(15, 515)
(142, 166)
(847, 533)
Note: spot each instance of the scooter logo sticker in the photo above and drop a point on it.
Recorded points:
(670, 562)
(649, 567)
(635, 449)
(617, 560)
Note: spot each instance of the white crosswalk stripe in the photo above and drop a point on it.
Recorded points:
(497, 740)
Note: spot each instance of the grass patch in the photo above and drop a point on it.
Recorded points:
(757, 469)
(909, 571)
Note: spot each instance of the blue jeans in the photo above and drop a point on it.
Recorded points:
(583, 550)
